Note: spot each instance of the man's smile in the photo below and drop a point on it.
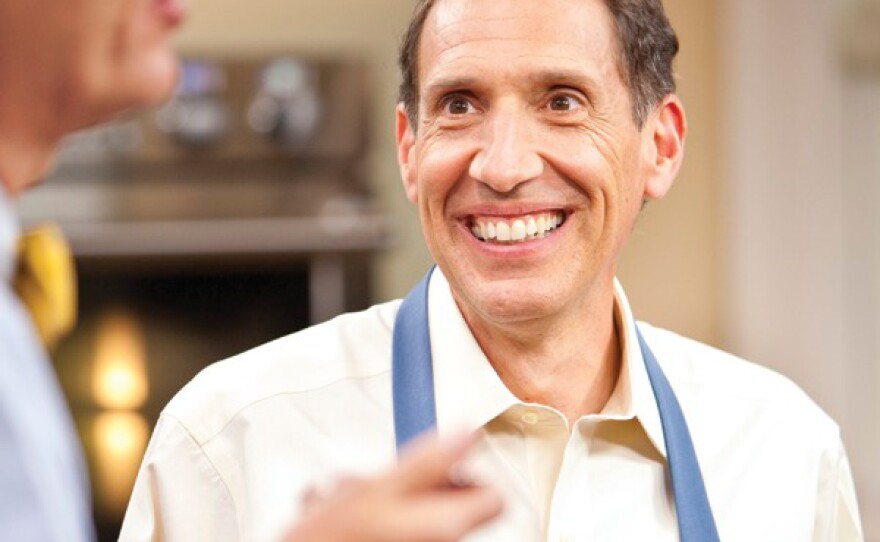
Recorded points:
(518, 229)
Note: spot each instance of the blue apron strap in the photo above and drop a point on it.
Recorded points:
(695, 520)
(415, 411)
(412, 370)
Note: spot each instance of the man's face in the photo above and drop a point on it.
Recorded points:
(92, 58)
(526, 133)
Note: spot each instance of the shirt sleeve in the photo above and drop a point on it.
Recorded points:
(179, 495)
(837, 509)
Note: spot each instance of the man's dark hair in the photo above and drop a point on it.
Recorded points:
(646, 47)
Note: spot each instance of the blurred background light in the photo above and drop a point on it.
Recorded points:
(120, 378)
(119, 441)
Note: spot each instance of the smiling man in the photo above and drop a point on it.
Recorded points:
(530, 133)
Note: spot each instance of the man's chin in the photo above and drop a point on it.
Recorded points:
(152, 84)
(508, 303)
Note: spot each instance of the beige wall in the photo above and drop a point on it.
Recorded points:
(671, 268)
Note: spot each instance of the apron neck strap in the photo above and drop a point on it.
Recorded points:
(415, 411)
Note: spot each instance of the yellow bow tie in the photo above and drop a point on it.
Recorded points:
(45, 280)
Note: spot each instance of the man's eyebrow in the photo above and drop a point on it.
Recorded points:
(444, 84)
(544, 78)
(550, 78)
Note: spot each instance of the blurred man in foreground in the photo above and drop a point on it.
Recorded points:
(530, 133)
(66, 65)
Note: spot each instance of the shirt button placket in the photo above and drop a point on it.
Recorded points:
(530, 418)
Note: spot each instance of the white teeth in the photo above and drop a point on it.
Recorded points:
(532, 227)
(520, 229)
(502, 231)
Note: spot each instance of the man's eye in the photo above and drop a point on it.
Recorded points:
(564, 102)
(458, 106)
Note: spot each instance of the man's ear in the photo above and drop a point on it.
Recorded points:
(665, 136)
(406, 140)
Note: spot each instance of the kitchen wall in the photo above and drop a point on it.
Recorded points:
(802, 201)
(672, 266)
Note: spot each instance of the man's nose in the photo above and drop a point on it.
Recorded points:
(507, 156)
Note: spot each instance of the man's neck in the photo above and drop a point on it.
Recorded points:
(31, 129)
(571, 363)
(24, 160)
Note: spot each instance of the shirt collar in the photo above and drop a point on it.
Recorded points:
(9, 234)
(633, 397)
(470, 393)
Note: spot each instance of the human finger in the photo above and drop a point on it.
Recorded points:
(448, 515)
(319, 493)
(430, 462)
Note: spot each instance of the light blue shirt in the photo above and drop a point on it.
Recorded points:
(9, 233)
(44, 494)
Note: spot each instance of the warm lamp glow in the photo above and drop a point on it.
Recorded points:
(120, 439)
(119, 378)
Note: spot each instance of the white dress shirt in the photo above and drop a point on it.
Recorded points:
(44, 493)
(235, 450)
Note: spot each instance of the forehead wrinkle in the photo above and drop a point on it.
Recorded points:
(565, 50)
(571, 69)
(597, 44)
(441, 26)
(453, 37)
(463, 34)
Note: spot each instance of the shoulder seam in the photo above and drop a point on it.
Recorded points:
(204, 453)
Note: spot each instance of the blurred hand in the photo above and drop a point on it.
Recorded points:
(419, 501)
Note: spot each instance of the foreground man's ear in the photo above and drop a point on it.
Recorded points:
(406, 140)
(664, 131)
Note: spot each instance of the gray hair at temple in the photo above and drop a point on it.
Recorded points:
(646, 48)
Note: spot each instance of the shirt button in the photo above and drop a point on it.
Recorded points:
(530, 418)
